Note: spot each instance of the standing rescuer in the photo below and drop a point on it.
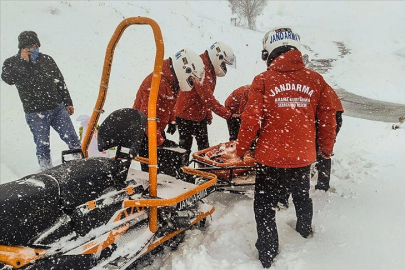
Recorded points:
(193, 109)
(284, 102)
(180, 72)
(44, 95)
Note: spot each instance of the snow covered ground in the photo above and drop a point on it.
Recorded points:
(360, 226)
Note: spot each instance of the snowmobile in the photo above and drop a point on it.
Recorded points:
(99, 212)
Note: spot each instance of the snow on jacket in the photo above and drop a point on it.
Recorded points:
(237, 100)
(284, 102)
(41, 86)
(167, 96)
(197, 104)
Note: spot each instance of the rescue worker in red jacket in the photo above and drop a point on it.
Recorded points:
(235, 103)
(284, 102)
(193, 108)
(324, 165)
(180, 72)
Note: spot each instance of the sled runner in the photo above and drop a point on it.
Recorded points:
(222, 161)
(98, 212)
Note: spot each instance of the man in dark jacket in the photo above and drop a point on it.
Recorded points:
(44, 95)
(284, 102)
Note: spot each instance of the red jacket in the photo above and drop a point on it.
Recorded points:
(337, 104)
(167, 96)
(237, 100)
(284, 102)
(196, 105)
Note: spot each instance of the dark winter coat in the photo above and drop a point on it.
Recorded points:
(197, 104)
(284, 103)
(40, 85)
(167, 96)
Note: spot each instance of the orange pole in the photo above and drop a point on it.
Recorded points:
(152, 126)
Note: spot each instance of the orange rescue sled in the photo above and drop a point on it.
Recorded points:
(222, 161)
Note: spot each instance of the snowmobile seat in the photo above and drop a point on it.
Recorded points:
(27, 207)
(83, 180)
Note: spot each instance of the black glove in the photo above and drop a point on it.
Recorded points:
(171, 129)
(169, 143)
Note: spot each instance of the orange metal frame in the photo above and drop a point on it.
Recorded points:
(152, 125)
(18, 257)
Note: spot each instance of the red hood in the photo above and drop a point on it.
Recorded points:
(289, 61)
(168, 75)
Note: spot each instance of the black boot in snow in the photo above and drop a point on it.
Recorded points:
(266, 258)
(321, 187)
(304, 231)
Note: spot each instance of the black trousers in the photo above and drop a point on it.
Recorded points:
(144, 150)
(233, 127)
(271, 184)
(188, 129)
(233, 124)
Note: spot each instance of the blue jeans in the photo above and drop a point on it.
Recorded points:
(40, 124)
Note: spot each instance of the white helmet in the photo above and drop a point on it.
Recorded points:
(188, 66)
(221, 55)
(278, 37)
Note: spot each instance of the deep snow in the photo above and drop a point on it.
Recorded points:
(360, 226)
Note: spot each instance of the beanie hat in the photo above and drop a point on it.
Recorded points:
(28, 38)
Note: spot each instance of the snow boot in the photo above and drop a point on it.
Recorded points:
(304, 231)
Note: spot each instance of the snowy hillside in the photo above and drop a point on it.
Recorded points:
(358, 227)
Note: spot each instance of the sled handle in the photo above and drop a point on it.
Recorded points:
(152, 125)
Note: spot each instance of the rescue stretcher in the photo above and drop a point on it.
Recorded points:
(222, 161)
